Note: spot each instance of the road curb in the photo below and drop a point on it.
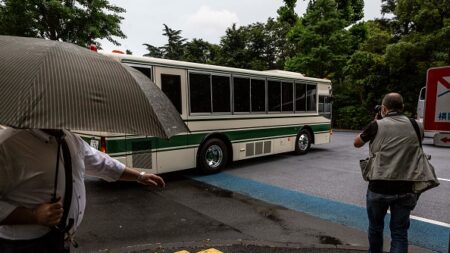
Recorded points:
(234, 246)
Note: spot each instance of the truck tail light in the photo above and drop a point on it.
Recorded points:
(103, 144)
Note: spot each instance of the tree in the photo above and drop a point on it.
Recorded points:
(408, 65)
(322, 43)
(174, 49)
(258, 46)
(77, 21)
(234, 49)
(350, 10)
(325, 39)
(200, 51)
(421, 30)
(153, 51)
(286, 13)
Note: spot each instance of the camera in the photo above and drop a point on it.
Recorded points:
(377, 110)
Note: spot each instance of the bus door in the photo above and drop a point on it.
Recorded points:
(173, 154)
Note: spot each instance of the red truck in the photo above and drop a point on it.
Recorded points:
(434, 106)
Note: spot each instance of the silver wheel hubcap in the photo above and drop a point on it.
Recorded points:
(303, 142)
(214, 156)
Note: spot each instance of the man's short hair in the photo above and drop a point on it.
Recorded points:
(393, 101)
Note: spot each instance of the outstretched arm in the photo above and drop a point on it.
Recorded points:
(101, 165)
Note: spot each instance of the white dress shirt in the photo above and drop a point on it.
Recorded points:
(27, 174)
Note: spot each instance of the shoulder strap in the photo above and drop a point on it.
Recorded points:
(69, 186)
(416, 128)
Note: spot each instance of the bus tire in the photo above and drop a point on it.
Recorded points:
(303, 142)
(212, 156)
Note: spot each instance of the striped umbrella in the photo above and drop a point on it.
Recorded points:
(55, 85)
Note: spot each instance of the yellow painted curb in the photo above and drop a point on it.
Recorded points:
(183, 251)
(212, 250)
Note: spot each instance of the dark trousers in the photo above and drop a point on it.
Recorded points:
(401, 206)
(49, 243)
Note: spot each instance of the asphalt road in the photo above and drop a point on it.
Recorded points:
(332, 171)
(190, 215)
(313, 200)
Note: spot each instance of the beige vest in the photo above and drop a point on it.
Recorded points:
(395, 154)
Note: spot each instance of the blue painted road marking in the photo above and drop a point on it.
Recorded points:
(422, 234)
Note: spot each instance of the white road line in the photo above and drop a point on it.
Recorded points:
(444, 179)
(435, 222)
(443, 224)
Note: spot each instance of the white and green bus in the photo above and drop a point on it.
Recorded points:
(232, 114)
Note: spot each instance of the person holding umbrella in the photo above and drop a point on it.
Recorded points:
(37, 215)
(50, 88)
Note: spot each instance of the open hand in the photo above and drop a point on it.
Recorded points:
(151, 179)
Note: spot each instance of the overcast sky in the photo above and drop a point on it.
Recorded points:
(205, 19)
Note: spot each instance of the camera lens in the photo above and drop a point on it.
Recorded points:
(377, 108)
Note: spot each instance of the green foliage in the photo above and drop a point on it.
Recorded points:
(352, 117)
(322, 43)
(351, 10)
(286, 13)
(81, 22)
(174, 49)
(377, 38)
(234, 49)
(200, 51)
(257, 46)
(364, 60)
(153, 51)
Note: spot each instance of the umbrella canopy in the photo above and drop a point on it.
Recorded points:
(55, 85)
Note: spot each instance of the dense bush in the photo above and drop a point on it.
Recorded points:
(352, 117)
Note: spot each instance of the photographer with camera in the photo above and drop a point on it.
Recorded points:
(394, 143)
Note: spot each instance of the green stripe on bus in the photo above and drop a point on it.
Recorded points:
(176, 142)
(266, 116)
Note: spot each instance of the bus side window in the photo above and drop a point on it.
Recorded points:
(241, 94)
(300, 97)
(146, 71)
(287, 98)
(171, 86)
(325, 106)
(258, 95)
(200, 92)
(221, 94)
(311, 92)
(274, 93)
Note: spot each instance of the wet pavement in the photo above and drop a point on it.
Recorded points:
(236, 247)
(190, 216)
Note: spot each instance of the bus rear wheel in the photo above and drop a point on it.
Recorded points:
(212, 156)
(303, 142)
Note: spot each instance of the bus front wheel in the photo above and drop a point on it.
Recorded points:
(303, 142)
(212, 156)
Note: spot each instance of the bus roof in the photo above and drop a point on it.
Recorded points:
(200, 66)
